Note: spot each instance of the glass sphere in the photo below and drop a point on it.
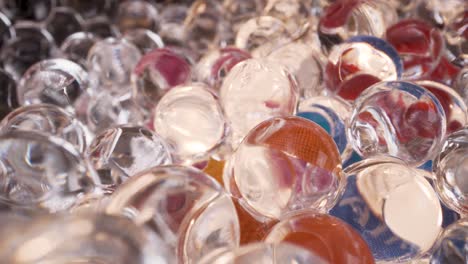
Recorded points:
(191, 121)
(264, 253)
(47, 119)
(359, 63)
(456, 38)
(326, 236)
(171, 19)
(393, 207)
(399, 119)
(102, 27)
(347, 18)
(455, 109)
(184, 206)
(76, 47)
(137, 14)
(42, 172)
(111, 61)
(54, 81)
(156, 73)
(294, 13)
(62, 22)
(145, 40)
(420, 46)
(79, 238)
(305, 63)
(215, 65)
(285, 164)
(28, 9)
(452, 245)
(238, 12)
(8, 94)
(88, 8)
(262, 35)
(461, 84)
(7, 31)
(331, 113)
(256, 90)
(31, 45)
(450, 167)
(121, 152)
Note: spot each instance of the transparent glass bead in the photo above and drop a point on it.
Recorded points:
(31, 45)
(264, 253)
(262, 35)
(332, 114)
(27, 9)
(256, 90)
(80, 238)
(145, 40)
(456, 112)
(461, 84)
(8, 94)
(215, 65)
(450, 167)
(456, 38)
(305, 63)
(399, 119)
(294, 13)
(238, 12)
(54, 81)
(121, 152)
(76, 47)
(88, 8)
(156, 73)
(452, 245)
(186, 207)
(172, 29)
(102, 27)
(440, 12)
(48, 119)
(137, 14)
(420, 46)
(325, 236)
(111, 61)
(347, 18)
(359, 63)
(42, 172)
(393, 207)
(7, 31)
(191, 121)
(106, 109)
(285, 164)
(63, 22)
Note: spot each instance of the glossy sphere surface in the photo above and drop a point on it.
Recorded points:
(359, 63)
(325, 236)
(450, 167)
(256, 90)
(331, 114)
(41, 172)
(55, 81)
(78, 238)
(76, 46)
(393, 207)
(146, 40)
(8, 94)
(398, 119)
(296, 166)
(62, 22)
(121, 152)
(264, 253)
(305, 63)
(191, 121)
(186, 207)
(452, 245)
(111, 61)
(420, 46)
(137, 14)
(156, 73)
(214, 66)
(47, 119)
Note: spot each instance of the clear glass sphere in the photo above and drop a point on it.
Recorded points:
(327, 237)
(76, 47)
(450, 167)
(54, 81)
(62, 22)
(256, 90)
(121, 152)
(393, 207)
(42, 172)
(399, 119)
(187, 208)
(137, 14)
(191, 121)
(452, 244)
(145, 40)
(8, 94)
(47, 119)
(285, 164)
